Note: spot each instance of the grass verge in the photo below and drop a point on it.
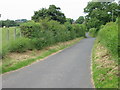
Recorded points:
(10, 64)
(104, 67)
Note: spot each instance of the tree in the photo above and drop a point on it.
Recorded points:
(69, 20)
(8, 23)
(52, 13)
(93, 23)
(80, 20)
(101, 12)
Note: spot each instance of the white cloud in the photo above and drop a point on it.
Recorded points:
(19, 9)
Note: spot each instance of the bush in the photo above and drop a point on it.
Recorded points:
(58, 32)
(118, 20)
(70, 30)
(82, 30)
(20, 45)
(93, 32)
(108, 36)
(79, 30)
(43, 34)
(4, 50)
(38, 43)
(31, 29)
(50, 32)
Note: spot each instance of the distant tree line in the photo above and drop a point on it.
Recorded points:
(11, 23)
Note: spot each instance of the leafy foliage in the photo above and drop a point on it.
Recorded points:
(20, 45)
(30, 29)
(93, 32)
(93, 23)
(69, 20)
(108, 36)
(8, 23)
(52, 13)
(11, 23)
(99, 13)
(79, 29)
(50, 32)
(105, 57)
(43, 34)
(80, 20)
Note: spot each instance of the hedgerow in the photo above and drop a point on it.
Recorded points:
(108, 36)
(105, 58)
(43, 34)
(52, 31)
(93, 32)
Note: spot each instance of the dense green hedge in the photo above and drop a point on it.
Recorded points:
(30, 29)
(50, 32)
(43, 34)
(108, 36)
(93, 32)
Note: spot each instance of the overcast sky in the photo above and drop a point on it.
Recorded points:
(24, 9)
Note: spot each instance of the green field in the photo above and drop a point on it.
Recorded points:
(6, 38)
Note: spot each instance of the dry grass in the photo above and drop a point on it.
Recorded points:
(105, 68)
(35, 53)
(104, 59)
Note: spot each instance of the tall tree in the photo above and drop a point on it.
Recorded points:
(101, 11)
(8, 23)
(80, 20)
(69, 20)
(52, 13)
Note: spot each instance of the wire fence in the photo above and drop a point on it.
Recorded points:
(10, 34)
(16, 34)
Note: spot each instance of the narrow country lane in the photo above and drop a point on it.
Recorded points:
(67, 69)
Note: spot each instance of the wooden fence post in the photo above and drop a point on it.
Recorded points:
(15, 33)
(20, 33)
(8, 34)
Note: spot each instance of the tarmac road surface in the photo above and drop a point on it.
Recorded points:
(67, 69)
